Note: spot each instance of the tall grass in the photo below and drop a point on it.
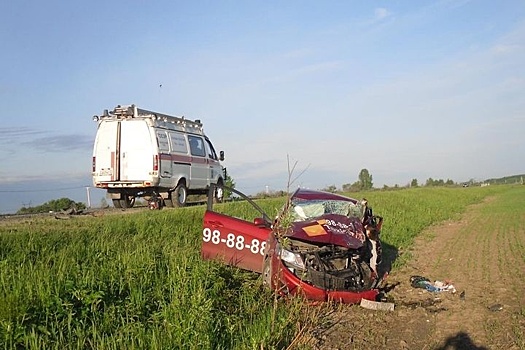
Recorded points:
(136, 280)
(128, 281)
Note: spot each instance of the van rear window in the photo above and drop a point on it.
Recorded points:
(162, 140)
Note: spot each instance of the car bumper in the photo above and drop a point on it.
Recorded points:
(295, 286)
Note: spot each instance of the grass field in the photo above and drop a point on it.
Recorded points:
(136, 280)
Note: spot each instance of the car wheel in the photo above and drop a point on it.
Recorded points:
(179, 196)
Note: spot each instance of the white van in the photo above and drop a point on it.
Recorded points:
(139, 153)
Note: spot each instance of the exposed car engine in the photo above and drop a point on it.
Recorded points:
(329, 267)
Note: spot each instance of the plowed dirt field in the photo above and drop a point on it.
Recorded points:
(482, 255)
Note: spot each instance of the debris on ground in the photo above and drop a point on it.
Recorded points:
(496, 307)
(377, 305)
(436, 286)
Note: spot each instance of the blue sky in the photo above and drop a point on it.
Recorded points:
(405, 89)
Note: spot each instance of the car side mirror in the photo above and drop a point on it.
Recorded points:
(221, 155)
(259, 222)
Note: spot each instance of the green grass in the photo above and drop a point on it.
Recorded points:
(137, 281)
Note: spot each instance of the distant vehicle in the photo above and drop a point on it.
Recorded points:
(324, 253)
(140, 153)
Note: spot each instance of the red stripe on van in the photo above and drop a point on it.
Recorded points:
(198, 160)
(180, 158)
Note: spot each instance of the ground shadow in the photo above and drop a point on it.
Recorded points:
(460, 341)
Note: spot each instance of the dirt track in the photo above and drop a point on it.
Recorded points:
(483, 256)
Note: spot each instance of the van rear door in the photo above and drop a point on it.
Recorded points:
(137, 151)
(104, 153)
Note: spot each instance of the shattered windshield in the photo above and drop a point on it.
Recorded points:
(308, 209)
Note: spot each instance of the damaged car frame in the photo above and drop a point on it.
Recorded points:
(322, 245)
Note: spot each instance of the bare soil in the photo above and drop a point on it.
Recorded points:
(482, 255)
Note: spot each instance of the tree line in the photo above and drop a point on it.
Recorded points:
(365, 182)
(54, 205)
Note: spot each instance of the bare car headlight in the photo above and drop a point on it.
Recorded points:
(291, 258)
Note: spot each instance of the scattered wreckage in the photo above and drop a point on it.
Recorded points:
(323, 246)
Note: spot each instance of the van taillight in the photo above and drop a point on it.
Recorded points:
(94, 163)
(156, 162)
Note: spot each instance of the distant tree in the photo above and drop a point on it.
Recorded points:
(413, 183)
(365, 179)
(449, 182)
(429, 182)
(228, 181)
(331, 189)
(53, 205)
(355, 187)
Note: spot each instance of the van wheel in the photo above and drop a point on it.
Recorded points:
(116, 203)
(179, 196)
(127, 202)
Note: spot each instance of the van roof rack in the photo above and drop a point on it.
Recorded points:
(132, 111)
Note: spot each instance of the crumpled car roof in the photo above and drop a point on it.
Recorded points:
(303, 193)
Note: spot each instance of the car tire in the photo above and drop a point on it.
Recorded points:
(179, 196)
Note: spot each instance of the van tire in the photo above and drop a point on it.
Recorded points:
(179, 196)
(127, 202)
(116, 203)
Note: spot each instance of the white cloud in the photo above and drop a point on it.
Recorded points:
(381, 13)
(504, 49)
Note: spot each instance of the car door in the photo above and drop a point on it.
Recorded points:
(233, 240)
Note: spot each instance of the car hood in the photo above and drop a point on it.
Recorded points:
(329, 229)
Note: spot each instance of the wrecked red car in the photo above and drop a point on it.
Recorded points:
(322, 245)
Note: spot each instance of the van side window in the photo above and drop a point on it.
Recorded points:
(210, 150)
(162, 141)
(196, 146)
(178, 143)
